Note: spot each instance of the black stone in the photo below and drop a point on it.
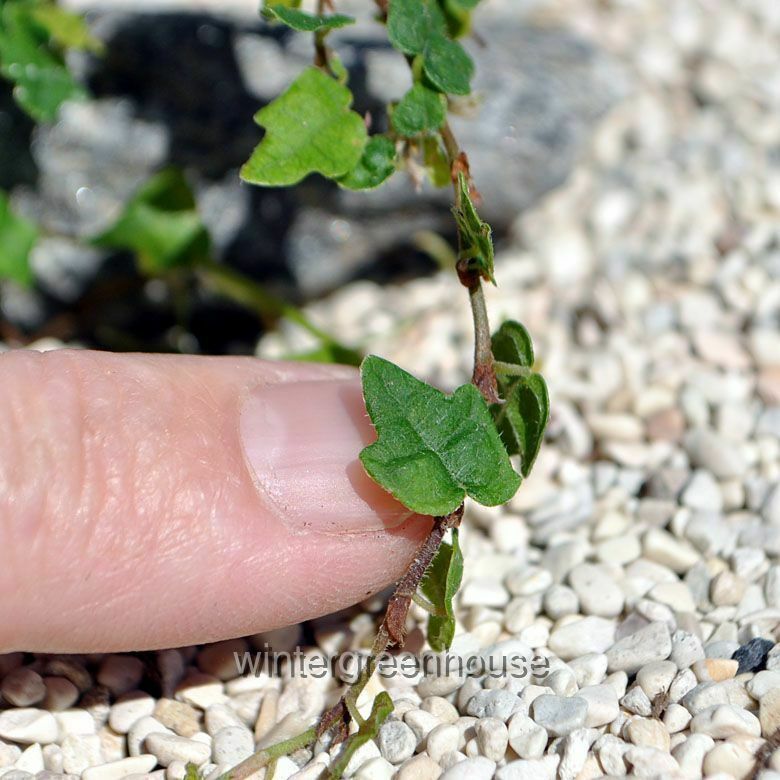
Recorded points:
(752, 656)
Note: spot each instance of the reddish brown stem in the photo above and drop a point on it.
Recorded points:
(393, 627)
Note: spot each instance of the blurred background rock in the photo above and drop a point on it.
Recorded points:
(180, 83)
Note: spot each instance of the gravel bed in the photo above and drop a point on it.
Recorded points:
(642, 556)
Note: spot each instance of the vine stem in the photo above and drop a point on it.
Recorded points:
(393, 627)
(235, 285)
(484, 375)
(391, 632)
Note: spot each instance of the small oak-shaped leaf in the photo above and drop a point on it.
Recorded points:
(305, 22)
(440, 584)
(161, 225)
(310, 128)
(522, 417)
(432, 449)
(368, 730)
(17, 238)
(420, 109)
(375, 166)
(447, 65)
(475, 235)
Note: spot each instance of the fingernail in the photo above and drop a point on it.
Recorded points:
(301, 441)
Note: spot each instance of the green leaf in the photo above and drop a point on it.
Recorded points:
(161, 225)
(66, 29)
(447, 65)
(17, 238)
(432, 449)
(375, 166)
(420, 109)
(419, 27)
(522, 417)
(42, 82)
(305, 22)
(475, 235)
(440, 584)
(410, 24)
(309, 129)
(368, 730)
(512, 344)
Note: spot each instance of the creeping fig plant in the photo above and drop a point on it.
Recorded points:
(432, 450)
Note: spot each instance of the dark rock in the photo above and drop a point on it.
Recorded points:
(752, 656)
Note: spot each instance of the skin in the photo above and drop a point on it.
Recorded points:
(140, 508)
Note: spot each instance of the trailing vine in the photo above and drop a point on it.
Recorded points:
(432, 449)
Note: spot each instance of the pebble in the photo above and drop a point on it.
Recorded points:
(603, 705)
(526, 738)
(722, 721)
(560, 600)
(31, 760)
(540, 769)
(61, 694)
(655, 677)
(376, 768)
(419, 767)
(559, 715)
(421, 723)
(178, 716)
(492, 738)
(715, 453)
(637, 701)
(27, 725)
(661, 547)
(232, 744)
(115, 770)
(589, 635)
(597, 592)
(702, 493)
(171, 747)
(648, 732)
(763, 682)
(80, 752)
(715, 669)
(140, 730)
(478, 768)
(731, 759)
(23, 687)
(687, 649)
(690, 754)
(650, 762)
(648, 644)
(396, 741)
(120, 673)
(752, 656)
(499, 704)
(128, 709)
(442, 739)
(769, 712)
(200, 691)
